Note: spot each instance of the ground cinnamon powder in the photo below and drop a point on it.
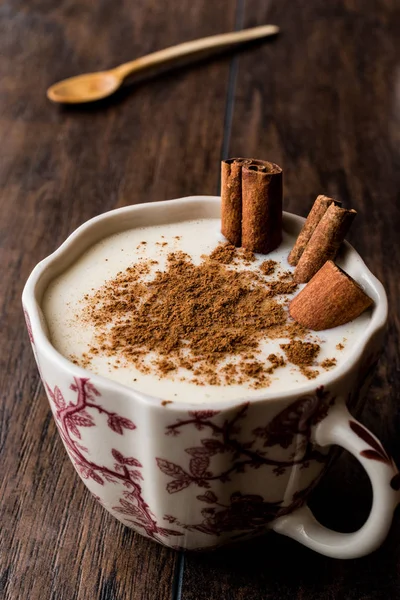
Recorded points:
(196, 317)
(227, 253)
(281, 287)
(301, 353)
(328, 363)
(268, 267)
(224, 254)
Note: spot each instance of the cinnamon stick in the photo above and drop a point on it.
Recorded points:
(324, 242)
(231, 199)
(330, 299)
(316, 213)
(261, 206)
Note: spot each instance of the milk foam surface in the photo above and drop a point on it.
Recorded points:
(62, 304)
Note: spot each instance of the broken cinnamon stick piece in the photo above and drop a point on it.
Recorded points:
(330, 299)
(261, 206)
(316, 213)
(324, 242)
(231, 199)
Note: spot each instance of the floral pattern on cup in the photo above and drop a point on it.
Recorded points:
(376, 450)
(29, 327)
(127, 469)
(248, 513)
(244, 512)
(297, 419)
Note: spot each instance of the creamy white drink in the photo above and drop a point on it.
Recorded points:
(75, 334)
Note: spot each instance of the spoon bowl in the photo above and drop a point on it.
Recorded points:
(85, 88)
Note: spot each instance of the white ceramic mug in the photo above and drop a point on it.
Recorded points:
(198, 476)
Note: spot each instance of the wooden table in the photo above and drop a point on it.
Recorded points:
(323, 101)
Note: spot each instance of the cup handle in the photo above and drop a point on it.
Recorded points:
(341, 429)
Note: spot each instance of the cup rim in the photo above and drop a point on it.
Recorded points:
(31, 306)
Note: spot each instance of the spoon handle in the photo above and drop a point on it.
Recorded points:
(194, 47)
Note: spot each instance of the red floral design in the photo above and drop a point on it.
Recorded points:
(70, 418)
(245, 512)
(29, 326)
(298, 418)
(376, 451)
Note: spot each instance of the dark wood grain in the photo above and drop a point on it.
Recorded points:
(324, 103)
(58, 168)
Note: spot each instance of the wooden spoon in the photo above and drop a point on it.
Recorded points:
(94, 86)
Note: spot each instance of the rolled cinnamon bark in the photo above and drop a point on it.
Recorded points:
(261, 206)
(231, 199)
(324, 242)
(316, 213)
(330, 299)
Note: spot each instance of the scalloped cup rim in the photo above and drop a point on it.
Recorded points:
(348, 255)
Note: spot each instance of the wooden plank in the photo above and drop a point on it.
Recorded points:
(321, 102)
(59, 167)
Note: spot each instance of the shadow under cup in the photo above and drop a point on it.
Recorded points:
(197, 476)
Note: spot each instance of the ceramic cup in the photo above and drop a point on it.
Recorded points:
(196, 476)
